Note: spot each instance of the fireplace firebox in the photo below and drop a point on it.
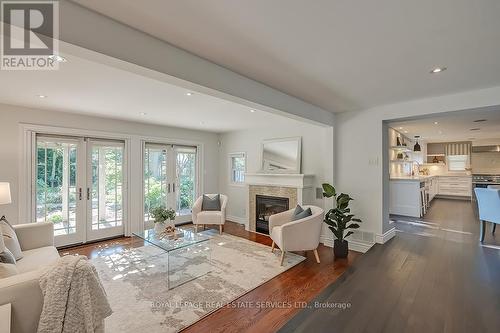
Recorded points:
(265, 207)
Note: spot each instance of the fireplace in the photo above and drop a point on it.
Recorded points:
(266, 206)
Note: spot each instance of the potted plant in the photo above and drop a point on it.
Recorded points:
(161, 215)
(339, 220)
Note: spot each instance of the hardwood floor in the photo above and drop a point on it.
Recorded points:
(284, 295)
(430, 278)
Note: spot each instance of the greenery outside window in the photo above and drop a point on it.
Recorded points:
(237, 166)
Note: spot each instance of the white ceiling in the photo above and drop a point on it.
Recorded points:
(94, 88)
(453, 126)
(340, 55)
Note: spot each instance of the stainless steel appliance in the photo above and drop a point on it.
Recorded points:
(483, 180)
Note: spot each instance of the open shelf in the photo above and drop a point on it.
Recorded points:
(402, 148)
(402, 161)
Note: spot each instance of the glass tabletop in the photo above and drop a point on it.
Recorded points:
(188, 238)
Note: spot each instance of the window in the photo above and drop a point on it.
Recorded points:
(458, 162)
(237, 165)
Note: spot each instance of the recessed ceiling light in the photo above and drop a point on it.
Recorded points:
(42, 96)
(189, 93)
(479, 120)
(57, 58)
(435, 123)
(475, 129)
(406, 131)
(438, 70)
(401, 128)
(143, 113)
(252, 110)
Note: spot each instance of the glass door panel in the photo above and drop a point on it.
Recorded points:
(57, 185)
(105, 189)
(156, 186)
(169, 180)
(186, 184)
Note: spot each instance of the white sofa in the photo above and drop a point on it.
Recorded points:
(209, 217)
(300, 235)
(23, 290)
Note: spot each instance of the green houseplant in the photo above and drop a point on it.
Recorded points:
(161, 215)
(339, 219)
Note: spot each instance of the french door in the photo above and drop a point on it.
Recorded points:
(79, 187)
(170, 179)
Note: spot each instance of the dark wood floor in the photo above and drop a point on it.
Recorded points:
(297, 286)
(430, 278)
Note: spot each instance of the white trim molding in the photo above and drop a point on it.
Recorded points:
(383, 238)
(354, 245)
(237, 219)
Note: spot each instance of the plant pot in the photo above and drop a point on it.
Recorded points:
(340, 248)
(159, 227)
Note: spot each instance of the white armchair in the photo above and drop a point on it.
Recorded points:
(201, 217)
(300, 235)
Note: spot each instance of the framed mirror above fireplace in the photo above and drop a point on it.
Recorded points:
(282, 155)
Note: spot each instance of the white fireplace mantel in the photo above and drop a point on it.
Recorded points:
(299, 181)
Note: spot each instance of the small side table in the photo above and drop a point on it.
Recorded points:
(5, 318)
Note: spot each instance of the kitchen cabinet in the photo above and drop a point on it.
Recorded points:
(455, 186)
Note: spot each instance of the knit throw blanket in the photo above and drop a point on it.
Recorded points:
(74, 298)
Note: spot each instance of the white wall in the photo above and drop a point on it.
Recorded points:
(317, 158)
(361, 159)
(10, 148)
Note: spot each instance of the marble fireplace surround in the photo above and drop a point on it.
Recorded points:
(298, 188)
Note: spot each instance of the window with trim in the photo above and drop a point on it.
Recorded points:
(458, 162)
(237, 166)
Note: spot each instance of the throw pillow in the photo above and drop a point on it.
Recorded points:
(6, 257)
(297, 210)
(7, 270)
(10, 239)
(302, 214)
(211, 204)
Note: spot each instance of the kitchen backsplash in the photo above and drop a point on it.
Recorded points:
(486, 163)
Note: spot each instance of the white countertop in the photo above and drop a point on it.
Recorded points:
(423, 178)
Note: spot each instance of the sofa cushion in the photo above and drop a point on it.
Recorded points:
(37, 258)
(7, 270)
(10, 239)
(211, 204)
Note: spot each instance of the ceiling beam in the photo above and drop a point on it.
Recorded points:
(90, 30)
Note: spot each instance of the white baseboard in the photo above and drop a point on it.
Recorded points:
(354, 245)
(383, 238)
(236, 219)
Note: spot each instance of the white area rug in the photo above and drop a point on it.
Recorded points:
(136, 282)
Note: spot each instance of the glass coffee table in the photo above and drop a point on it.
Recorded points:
(188, 256)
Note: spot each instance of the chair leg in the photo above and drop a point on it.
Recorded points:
(282, 257)
(220, 229)
(204, 227)
(481, 232)
(494, 227)
(317, 256)
(272, 247)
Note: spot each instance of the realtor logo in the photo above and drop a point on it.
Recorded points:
(30, 33)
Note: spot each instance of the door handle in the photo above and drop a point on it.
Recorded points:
(168, 188)
(88, 193)
(80, 193)
(173, 185)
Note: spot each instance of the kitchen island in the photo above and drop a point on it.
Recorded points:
(411, 195)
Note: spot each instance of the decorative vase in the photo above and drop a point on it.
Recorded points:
(159, 227)
(340, 248)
